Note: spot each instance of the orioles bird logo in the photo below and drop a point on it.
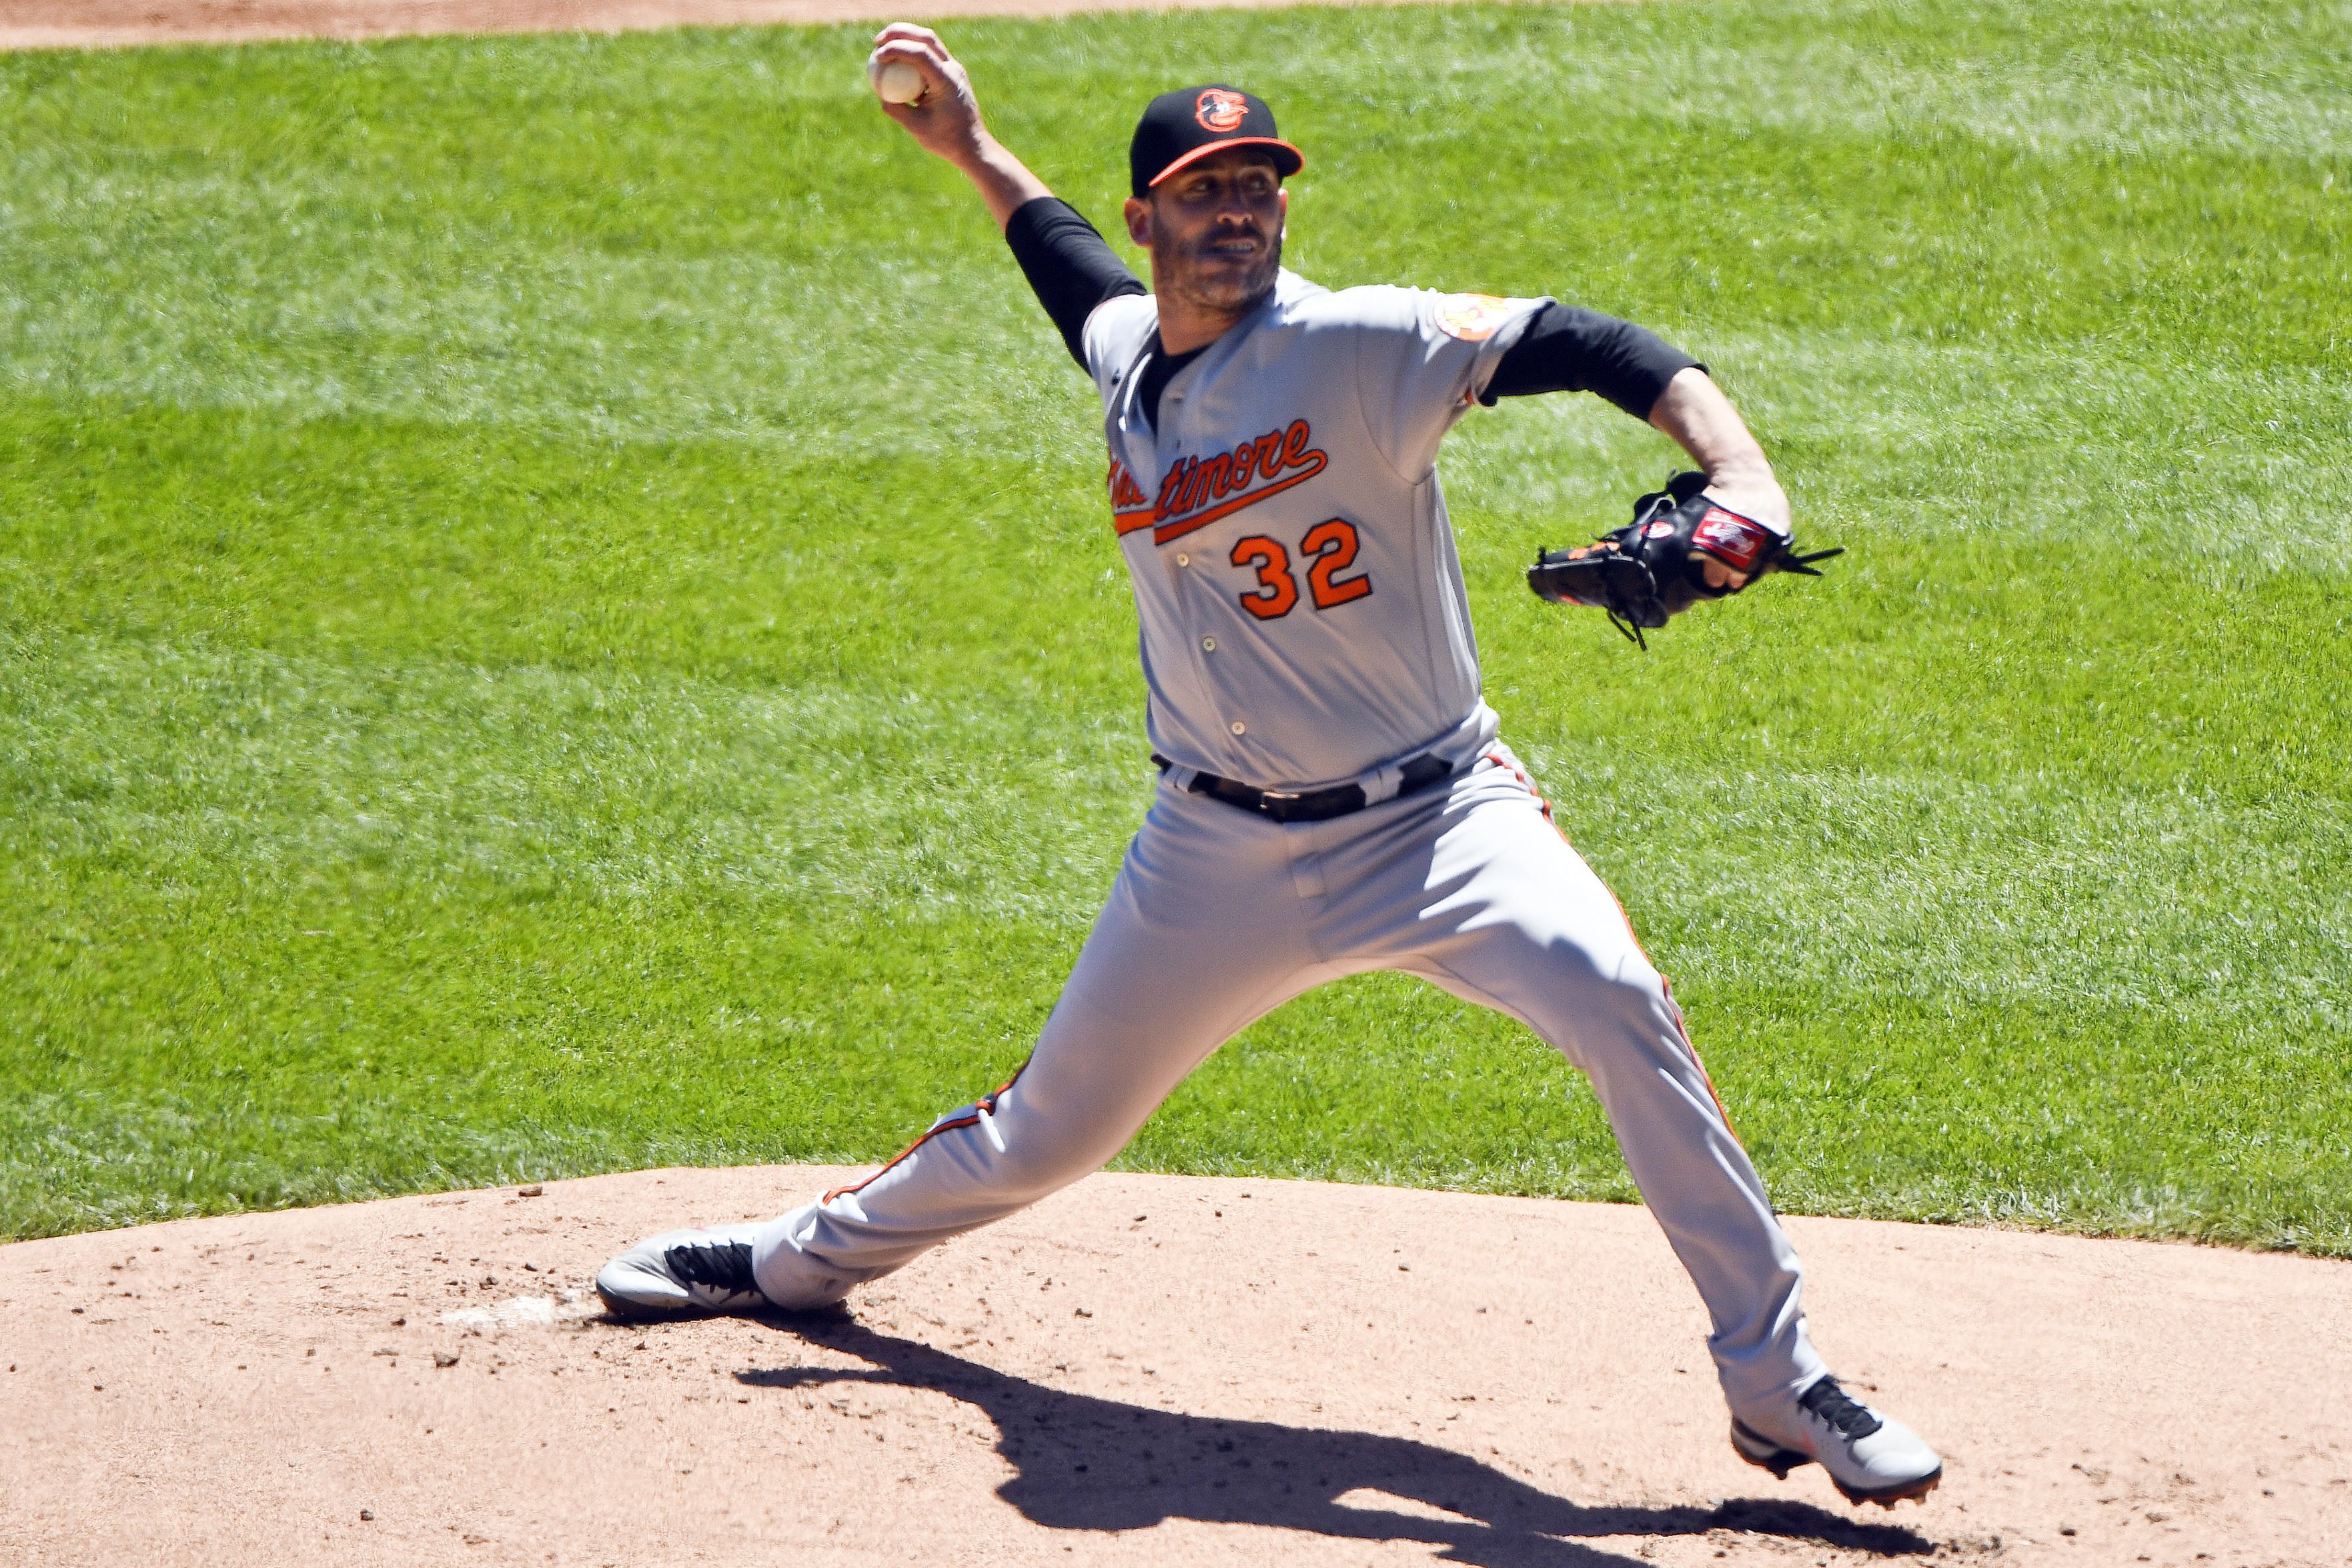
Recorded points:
(1220, 109)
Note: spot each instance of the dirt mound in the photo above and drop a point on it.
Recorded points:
(1143, 1369)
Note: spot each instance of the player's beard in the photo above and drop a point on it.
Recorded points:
(1211, 285)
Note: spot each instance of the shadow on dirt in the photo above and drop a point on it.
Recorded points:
(1087, 1463)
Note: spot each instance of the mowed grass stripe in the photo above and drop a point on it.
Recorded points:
(555, 614)
(1953, 641)
(565, 923)
(470, 212)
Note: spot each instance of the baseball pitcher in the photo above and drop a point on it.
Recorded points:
(1333, 794)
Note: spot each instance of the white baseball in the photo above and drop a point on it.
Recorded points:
(898, 82)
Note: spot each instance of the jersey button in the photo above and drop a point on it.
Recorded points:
(1208, 645)
(1240, 728)
(1182, 559)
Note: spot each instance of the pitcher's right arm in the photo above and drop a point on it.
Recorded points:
(1065, 259)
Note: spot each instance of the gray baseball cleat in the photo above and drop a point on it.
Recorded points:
(684, 1273)
(1870, 1456)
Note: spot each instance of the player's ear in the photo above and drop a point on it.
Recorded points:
(1138, 221)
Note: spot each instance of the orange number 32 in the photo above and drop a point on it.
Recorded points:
(1332, 544)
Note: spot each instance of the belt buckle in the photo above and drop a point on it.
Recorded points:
(1276, 803)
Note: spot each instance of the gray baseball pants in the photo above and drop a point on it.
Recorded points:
(1220, 916)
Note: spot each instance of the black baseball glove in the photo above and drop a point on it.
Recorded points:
(1653, 569)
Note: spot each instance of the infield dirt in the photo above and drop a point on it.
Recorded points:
(48, 24)
(1142, 1370)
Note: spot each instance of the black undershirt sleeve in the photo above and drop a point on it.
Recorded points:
(1569, 349)
(1068, 263)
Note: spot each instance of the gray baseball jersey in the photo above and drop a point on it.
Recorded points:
(1303, 615)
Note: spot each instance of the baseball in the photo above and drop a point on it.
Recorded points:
(898, 82)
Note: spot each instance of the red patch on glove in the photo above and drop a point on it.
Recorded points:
(1731, 538)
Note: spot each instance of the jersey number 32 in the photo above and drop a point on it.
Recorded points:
(1331, 545)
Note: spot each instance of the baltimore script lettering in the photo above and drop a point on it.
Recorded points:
(1199, 490)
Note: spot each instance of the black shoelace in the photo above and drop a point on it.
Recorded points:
(1839, 1409)
(722, 1265)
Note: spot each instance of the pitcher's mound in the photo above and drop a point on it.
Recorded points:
(1143, 1369)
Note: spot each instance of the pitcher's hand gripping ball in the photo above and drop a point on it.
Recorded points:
(898, 82)
(1655, 567)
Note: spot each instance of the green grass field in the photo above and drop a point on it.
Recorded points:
(556, 611)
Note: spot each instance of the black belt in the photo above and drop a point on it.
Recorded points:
(1312, 805)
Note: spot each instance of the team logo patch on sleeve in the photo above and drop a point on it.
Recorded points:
(1472, 318)
(1731, 539)
(1220, 109)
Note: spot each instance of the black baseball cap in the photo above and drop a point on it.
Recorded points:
(1183, 127)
